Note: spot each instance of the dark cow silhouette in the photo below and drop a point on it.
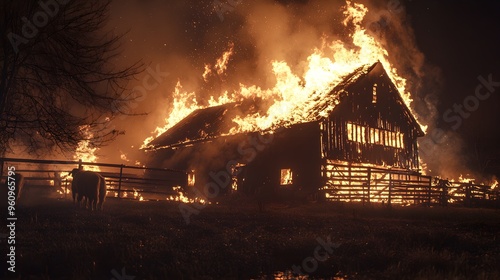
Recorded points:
(89, 185)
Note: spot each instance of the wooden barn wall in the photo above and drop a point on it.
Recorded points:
(296, 148)
(202, 157)
(387, 113)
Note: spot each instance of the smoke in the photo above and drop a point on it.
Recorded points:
(181, 37)
(443, 151)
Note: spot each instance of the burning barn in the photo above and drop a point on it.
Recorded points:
(363, 122)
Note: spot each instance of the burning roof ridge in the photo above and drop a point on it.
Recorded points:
(315, 107)
(343, 80)
(339, 89)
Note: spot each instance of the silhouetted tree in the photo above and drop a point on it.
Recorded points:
(60, 72)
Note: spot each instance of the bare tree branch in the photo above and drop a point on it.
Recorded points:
(60, 72)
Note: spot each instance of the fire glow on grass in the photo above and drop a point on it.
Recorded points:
(293, 97)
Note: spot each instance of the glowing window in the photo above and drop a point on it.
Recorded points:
(370, 135)
(286, 177)
(191, 178)
(374, 99)
(349, 132)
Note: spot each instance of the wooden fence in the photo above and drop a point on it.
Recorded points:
(343, 182)
(366, 184)
(121, 180)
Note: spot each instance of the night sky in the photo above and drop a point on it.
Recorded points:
(442, 48)
(463, 40)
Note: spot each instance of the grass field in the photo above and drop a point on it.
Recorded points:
(233, 240)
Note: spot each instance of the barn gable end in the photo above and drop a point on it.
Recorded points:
(372, 124)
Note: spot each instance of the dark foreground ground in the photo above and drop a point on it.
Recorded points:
(150, 240)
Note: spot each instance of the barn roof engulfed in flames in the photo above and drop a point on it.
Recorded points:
(208, 123)
(362, 120)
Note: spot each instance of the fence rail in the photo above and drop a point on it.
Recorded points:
(120, 179)
(343, 182)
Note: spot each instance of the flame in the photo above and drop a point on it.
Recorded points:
(286, 177)
(423, 166)
(63, 182)
(463, 179)
(293, 97)
(181, 197)
(85, 151)
(184, 103)
(123, 156)
(137, 195)
(222, 62)
(207, 72)
(220, 65)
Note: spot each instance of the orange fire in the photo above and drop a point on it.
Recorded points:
(137, 195)
(181, 197)
(62, 182)
(220, 65)
(222, 62)
(85, 151)
(293, 97)
(463, 179)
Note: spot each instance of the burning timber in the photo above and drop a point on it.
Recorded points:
(364, 123)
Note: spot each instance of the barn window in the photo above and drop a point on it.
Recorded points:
(374, 97)
(401, 140)
(350, 136)
(191, 178)
(286, 177)
(370, 135)
(377, 136)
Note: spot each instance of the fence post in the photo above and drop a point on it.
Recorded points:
(444, 192)
(363, 193)
(429, 192)
(369, 184)
(120, 182)
(415, 193)
(467, 200)
(80, 166)
(349, 182)
(390, 188)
